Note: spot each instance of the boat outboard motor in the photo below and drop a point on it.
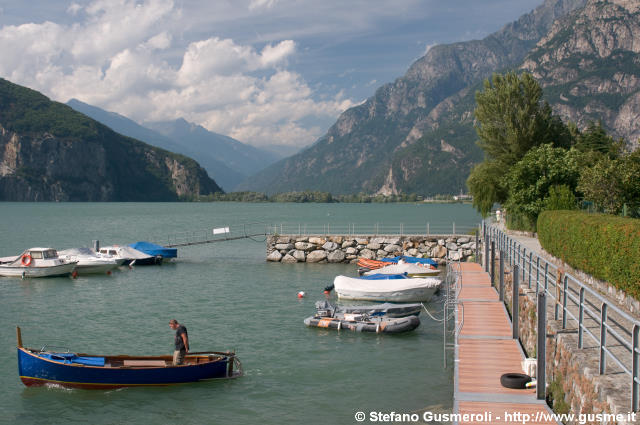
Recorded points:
(325, 309)
(328, 289)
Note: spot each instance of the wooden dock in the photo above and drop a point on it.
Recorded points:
(484, 351)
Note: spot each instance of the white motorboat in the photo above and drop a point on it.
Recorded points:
(412, 270)
(380, 287)
(37, 262)
(131, 256)
(91, 262)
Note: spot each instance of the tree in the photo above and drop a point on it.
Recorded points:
(512, 118)
(532, 178)
(487, 186)
(595, 139)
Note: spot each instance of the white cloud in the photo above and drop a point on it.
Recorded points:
(130, 57)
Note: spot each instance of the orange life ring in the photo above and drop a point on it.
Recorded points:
(26, 260)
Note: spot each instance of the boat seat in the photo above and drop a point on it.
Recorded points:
(145, 363)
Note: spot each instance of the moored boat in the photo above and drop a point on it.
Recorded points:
(379, 310)
(37, 262)
(76, 370)
(412, 270)
(91, 262)
(155, 250)
(363, 323)
(130, 255)
(380, 287)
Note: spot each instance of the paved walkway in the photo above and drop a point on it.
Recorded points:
(484, 351)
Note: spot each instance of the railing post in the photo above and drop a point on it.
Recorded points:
(485, 253)
(524, 261)
(454, 228)
(542, 347)
(502, 276)
(581, 319)
(565, 286)
(493, 262)
(546, 276)
(603, 339)
(515, 302)
(537, 274)
(530, 264)
(477, 242)
(635, 369)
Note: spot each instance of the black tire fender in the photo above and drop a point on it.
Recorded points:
(516, 381)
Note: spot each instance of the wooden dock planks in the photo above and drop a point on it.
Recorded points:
(486, 350)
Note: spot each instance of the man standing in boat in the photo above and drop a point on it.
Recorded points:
(181, 342)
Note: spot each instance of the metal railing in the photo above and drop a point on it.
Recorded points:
(593, 315)
(210, 235)
(357, 229)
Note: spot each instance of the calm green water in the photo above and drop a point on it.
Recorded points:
(229, 298)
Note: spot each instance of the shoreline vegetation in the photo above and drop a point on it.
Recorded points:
(327, 197)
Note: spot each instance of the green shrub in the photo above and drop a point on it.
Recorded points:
(605, 246)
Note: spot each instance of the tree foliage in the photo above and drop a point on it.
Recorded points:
(532, 178)
(487, 186)
(512, 118)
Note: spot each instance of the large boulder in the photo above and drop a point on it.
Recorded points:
(337, 239)
(368, 254)
(452, 246)
(336, 256)
(299, 255)
(393, 248)
(351, 251)
(275, 256)
(316, 240)
(413, 252)
(438, 251)
(330, 246)
(288, 259)
(305, 246)
(349, 243)
(283, 239)
(284, 246)
(374, 246)
(455, 255)
(316, 256)
(463, 240)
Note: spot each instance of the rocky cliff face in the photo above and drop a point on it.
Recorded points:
(589, 66)
(362, 151)
(48, 152)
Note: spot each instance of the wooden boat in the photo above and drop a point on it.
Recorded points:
(77, 370)
(394, 288)
(363, 323)
(37, 262)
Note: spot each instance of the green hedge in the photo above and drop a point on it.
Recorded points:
(605, 246)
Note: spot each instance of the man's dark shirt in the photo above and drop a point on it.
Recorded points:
(179, 342)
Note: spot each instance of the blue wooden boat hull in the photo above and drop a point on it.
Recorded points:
(35, 370)
(155, 250)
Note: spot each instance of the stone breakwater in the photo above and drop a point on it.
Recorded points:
(347, 249)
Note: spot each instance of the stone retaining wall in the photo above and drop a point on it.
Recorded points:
(347, 249)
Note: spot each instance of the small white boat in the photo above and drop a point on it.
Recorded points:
(37, 262)
(91, 262)
(393, 288)
(412, 270)
(131, 256)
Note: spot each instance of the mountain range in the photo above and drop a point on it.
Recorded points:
(227, 161)
(49, 152)
(416, 135)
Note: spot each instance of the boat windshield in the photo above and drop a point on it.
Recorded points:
(51, 253)
(36, 254)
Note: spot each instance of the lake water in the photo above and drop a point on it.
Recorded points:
(229, 298)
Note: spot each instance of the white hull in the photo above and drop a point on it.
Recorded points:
(393, 290)
(29, 272)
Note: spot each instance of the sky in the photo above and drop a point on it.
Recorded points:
(265, 72)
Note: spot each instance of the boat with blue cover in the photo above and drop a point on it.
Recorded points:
(411, 260)
(78, 370)
(155, 250)
(384, 287)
